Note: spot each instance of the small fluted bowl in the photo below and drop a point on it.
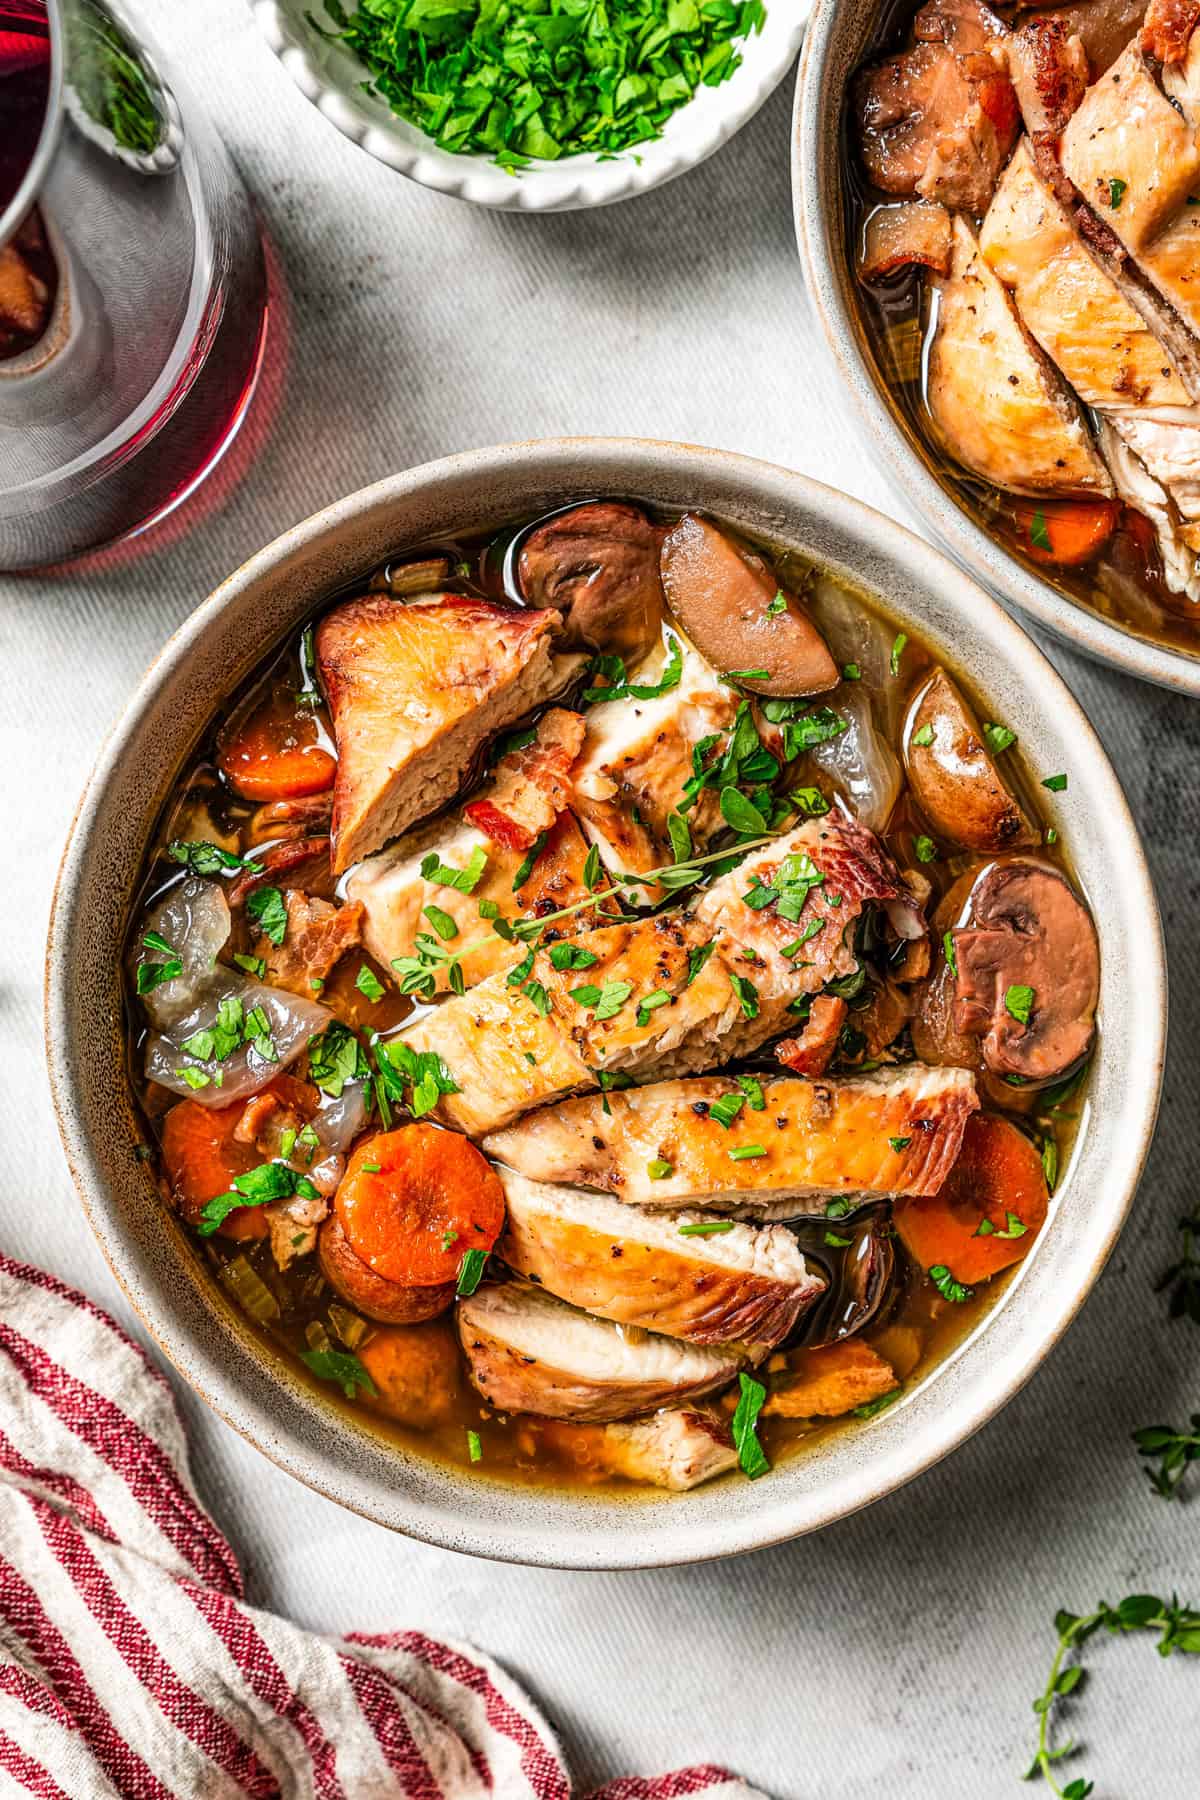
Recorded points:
(332, 78)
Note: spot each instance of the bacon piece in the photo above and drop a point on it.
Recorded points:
(531, 786)
(809, 1054)
(304, 861)
(318, 936)
(1050, 74)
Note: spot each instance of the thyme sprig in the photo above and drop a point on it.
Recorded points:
(1183, 1276)
(1178, 1628)
(1174, 1452)
(670, 875)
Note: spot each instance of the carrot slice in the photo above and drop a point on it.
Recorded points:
(413, 1202)
(998, 1178)
(275, 752)
(1065, 532)
(201, 1158)
(416, 1370)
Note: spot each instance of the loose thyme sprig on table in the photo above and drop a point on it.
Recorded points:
(518, 79)
(1178, 1628)
(1174, 1450)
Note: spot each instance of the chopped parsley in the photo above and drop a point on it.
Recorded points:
(777, 605)
(658, 1170)
(1056, 783)
(742, 814)
(706, 1228)
(334, 1058)
(369, 984)
(948, 947)
(837, 1242)
(1018, 1003)
(1116, 191)
(660, 997)
(899, 1143)
(434, 870)
(726, 1109)
(924, 737)
(851, 672)
(474, 1447)
(1039, 534)
(253, 965)
(422, 1072)
(266, 907)
(747, 994)
(946, 1285)
(998, 738)
(470, 1272)
(869, 1408)
(531, 855)
(789, 887)
(926, 850)
(746, 675)
(152, 974)
(257, 1187)
(752, 1088)
(697, 957)
(809, 802)
(752, 1458)
(204, 858)
(746, 1152)
(442, 922)
(898, 645)
(612, 669)
(571, 956)
(341, 1366)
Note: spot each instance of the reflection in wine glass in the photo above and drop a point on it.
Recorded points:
(133, 297)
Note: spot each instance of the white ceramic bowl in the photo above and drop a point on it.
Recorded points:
(216, 1349)
(838, 34)
(332, 79)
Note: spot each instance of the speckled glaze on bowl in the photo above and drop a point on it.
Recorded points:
(837, 36)
(332, 79)
(215, 1349)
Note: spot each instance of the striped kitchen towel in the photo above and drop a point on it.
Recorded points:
(130, 1663)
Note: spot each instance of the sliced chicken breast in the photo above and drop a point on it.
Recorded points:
(636, 758)
(505, 1055)
(1133, 152)
(999, 407)
(1068, 302)
(414, 689)
(394, 894)
(709, 1281)
(677, 1448)
(897, 1131)
(788, 942)
(529, 1353)
(1135, 484)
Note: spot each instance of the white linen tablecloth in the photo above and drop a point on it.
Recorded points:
(899, 1651)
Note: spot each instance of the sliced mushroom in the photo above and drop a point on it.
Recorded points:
(956, 783)
(1028, 978)
(723, 599)
(598, 566)
(861, 1273)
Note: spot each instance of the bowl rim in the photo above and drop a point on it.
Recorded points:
(575, 183)
(1018, 1344)
(816, 206)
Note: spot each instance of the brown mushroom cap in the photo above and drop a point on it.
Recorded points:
(722, 600)
(955, 781)
(1027, 929)
(599, 566)
(361, 1287)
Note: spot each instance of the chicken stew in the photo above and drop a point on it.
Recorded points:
(608, 1003)
(1023, 212)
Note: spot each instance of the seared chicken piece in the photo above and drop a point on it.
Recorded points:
(677, 1448)
(1133, 153)
(998, 405)
(414, 689)
(1049, 68)
(831, 1381)
(705, 1280)
(531, 785)
(1103, 27)
(636, 759)
(1083, 320)
(1181, 564)
(785, 917)
(527, 1352)
(896, 1131)
(394, 893)
(940, 118)
(915, 231)
(1068, 302)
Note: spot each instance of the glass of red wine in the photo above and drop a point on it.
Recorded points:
(133, 294)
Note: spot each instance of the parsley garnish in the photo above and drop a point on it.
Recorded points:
(209, 859)
(1018, 1003)
(659, 1170)
(898, 644)
(650, 1004)
(926, 850)
(571, 956)
(948, 947)
(899, 1143)
(612, 668)
(869, 1408)
(752, 1458)
(697, 957)
(531, 855)
(946, 1285)
(441, 921)
(258, 1187)
(1039, 534)
(706, 1228)
(777, 605)
(726, 1109)
(152, 974)
(1056, 783)
(253, 965)
(923, 737)
(998, 738)
(746, 1152)
(1116, 191)
(474, 1447)
(340, 1366)
(747, 994)
(470, 1272)
(266, 906)
(369, 984)
(434, 870)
